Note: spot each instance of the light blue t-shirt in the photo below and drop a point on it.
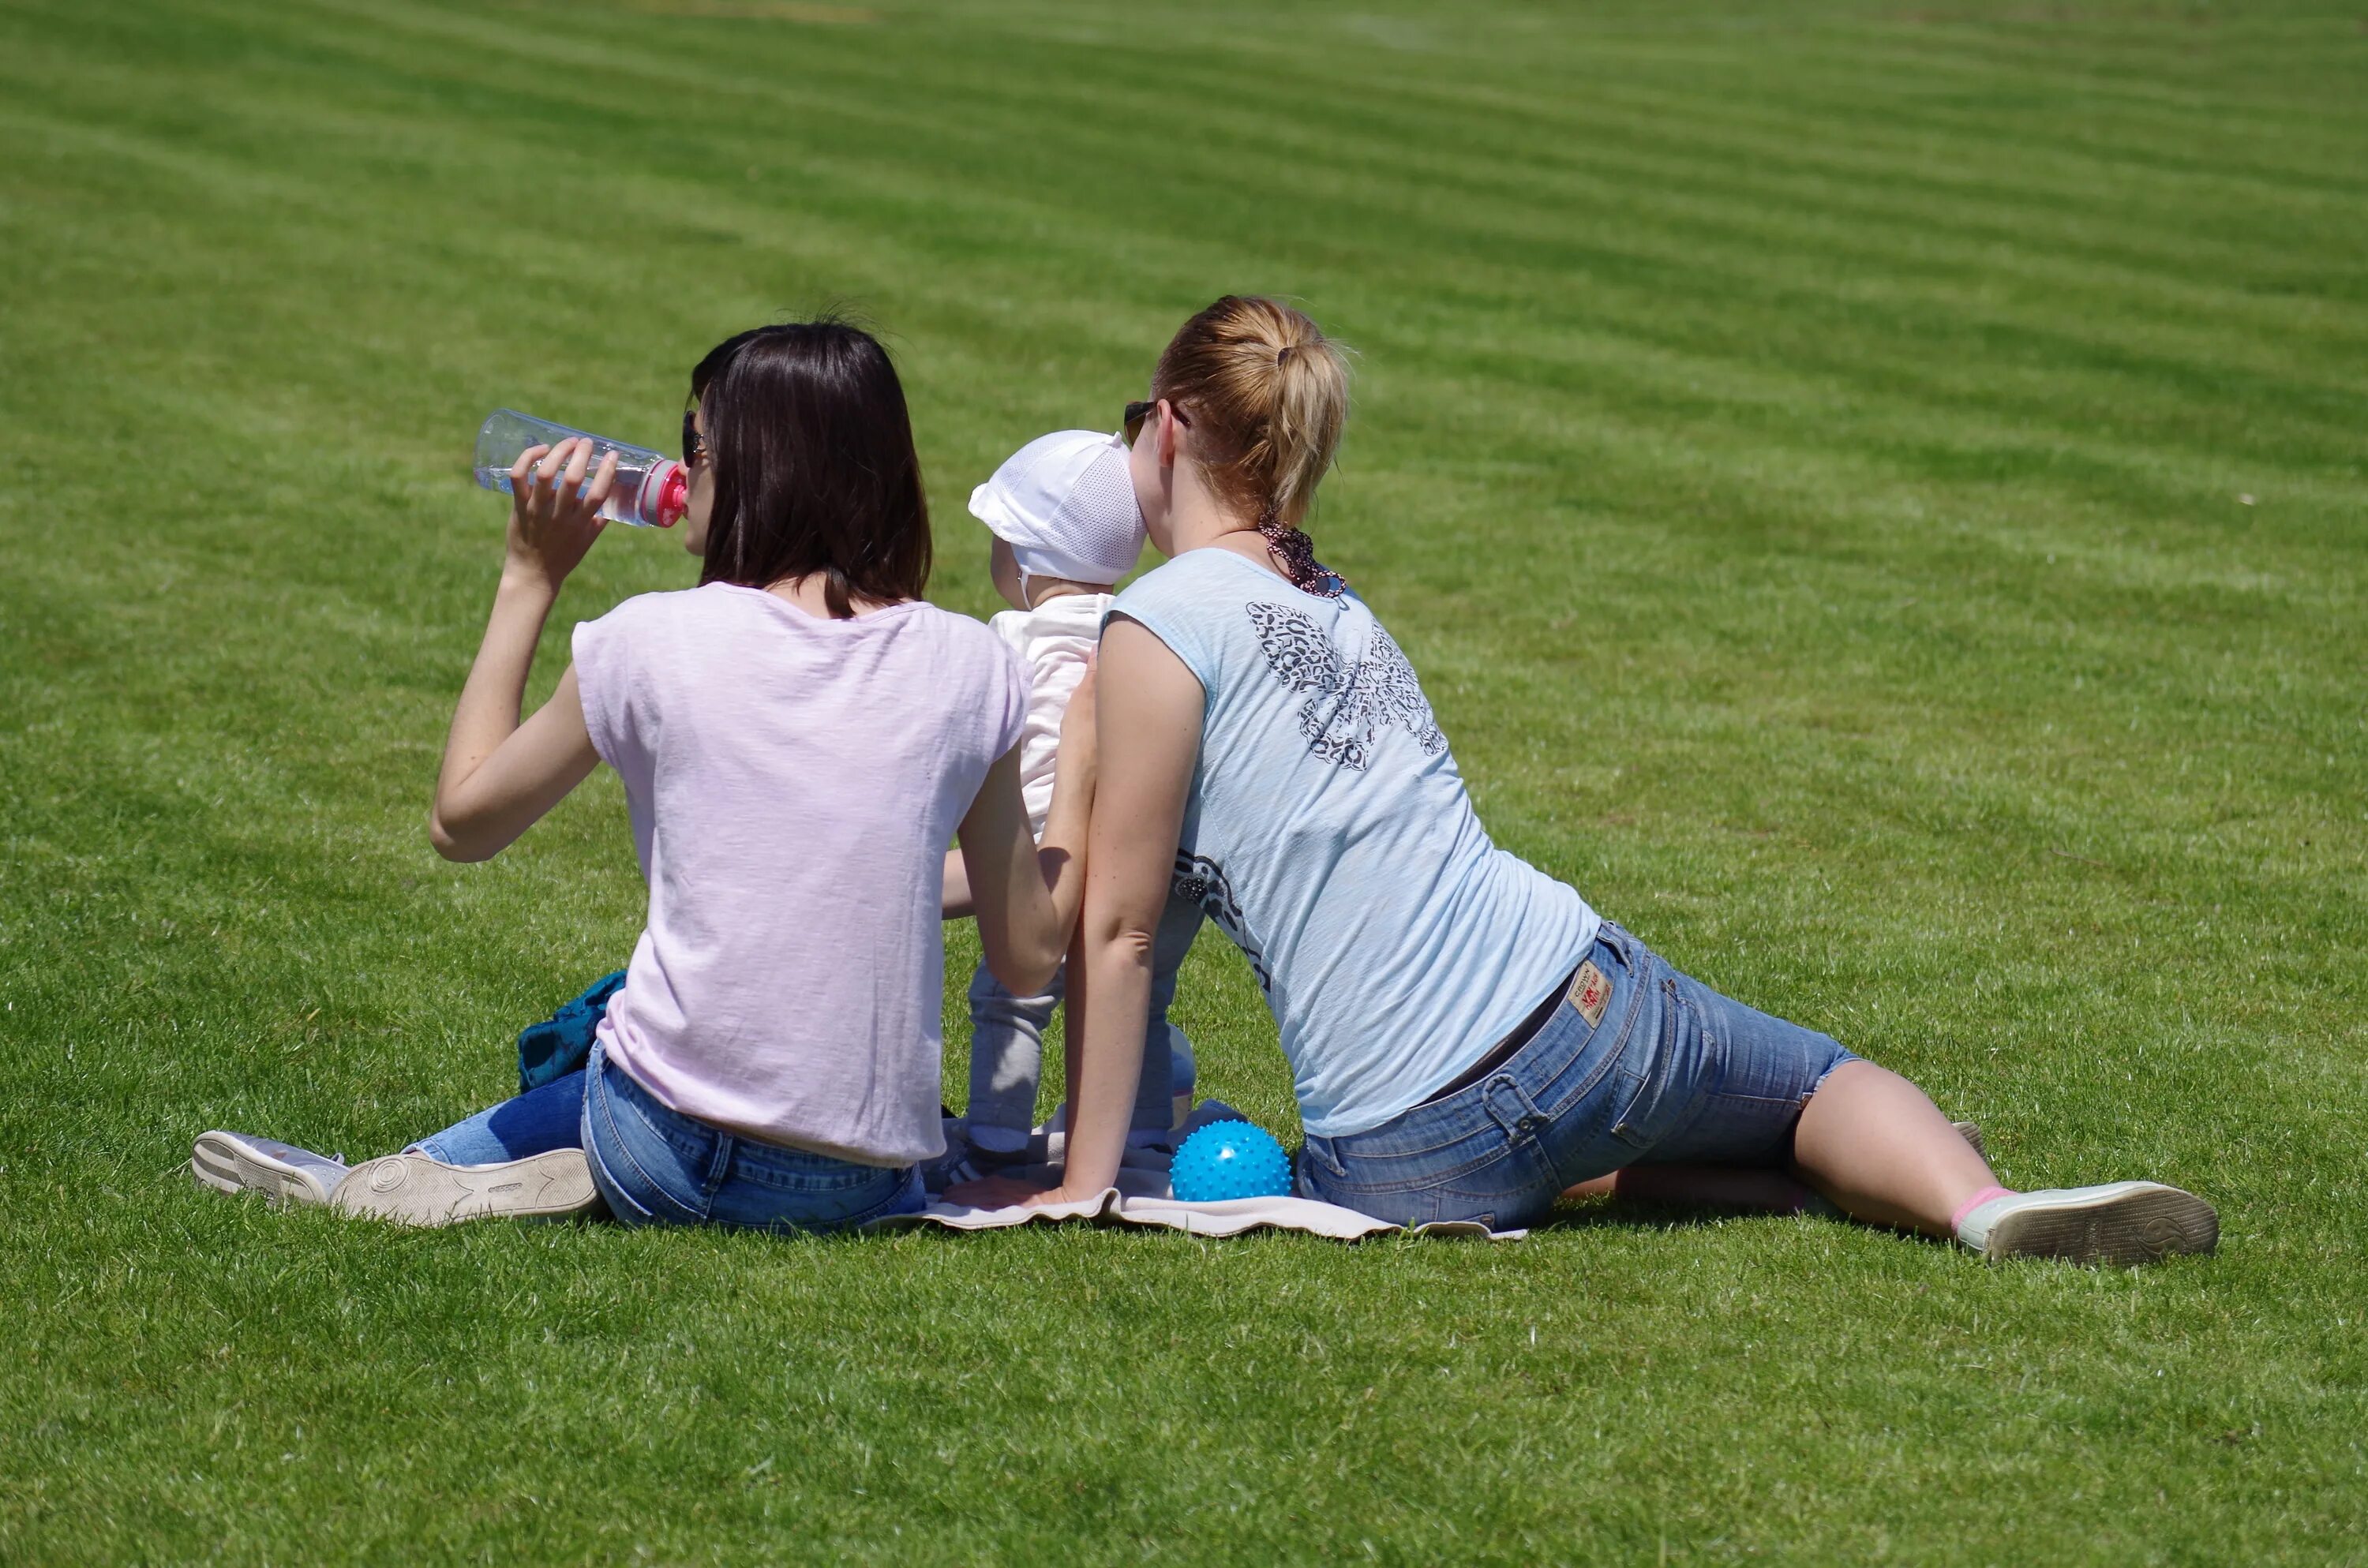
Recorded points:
(1329, 834)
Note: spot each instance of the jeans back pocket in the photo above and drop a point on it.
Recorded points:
(1658, 1069)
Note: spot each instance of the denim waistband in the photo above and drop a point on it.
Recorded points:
(1515, 1041)
(1559, 1062)
(621, 1082)
(699, 1139)
(1621, 946)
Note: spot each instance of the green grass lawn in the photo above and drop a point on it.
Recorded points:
(1876, 493)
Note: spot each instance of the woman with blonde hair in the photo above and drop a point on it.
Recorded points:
(1467, 1037)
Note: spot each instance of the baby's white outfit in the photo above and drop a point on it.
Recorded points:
(1006, 1047)
(1053, 640)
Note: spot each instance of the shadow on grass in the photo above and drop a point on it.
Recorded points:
(1634, 1214)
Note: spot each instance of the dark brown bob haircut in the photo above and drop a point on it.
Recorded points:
(814, 469)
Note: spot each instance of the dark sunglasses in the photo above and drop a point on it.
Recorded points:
(1136, 413)
(694, 445)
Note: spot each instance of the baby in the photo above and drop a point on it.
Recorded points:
(1066, 528)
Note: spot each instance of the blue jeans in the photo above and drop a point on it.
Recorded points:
(1673, 1072)
(657, 1167)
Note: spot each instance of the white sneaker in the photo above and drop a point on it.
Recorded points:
(2122, 1224)
(414, 1189)
(240, 1162)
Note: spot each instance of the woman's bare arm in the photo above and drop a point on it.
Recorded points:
(483, 803)
(500, 776)
(1151, 738)
(1026, 892)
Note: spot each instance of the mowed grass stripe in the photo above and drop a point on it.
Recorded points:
(844, 105)
(1522, 282)
(2248, 389)
(1493, 237)
(1514, 287)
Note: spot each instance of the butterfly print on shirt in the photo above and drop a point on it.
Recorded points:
(1350, 704)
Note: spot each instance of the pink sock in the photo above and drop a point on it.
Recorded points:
(1957, 1221)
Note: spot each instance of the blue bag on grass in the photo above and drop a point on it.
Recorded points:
(562, 1042)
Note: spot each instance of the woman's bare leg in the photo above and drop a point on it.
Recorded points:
(1877, 1146)
(1730, 1186)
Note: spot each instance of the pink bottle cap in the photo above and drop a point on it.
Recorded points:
(673, 496)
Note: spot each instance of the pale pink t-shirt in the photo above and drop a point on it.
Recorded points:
(793, 783)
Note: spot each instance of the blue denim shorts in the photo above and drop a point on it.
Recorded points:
(1671, 1072)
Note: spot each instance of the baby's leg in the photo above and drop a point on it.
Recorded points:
(1007, 1061)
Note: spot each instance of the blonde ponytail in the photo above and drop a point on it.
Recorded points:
(1267, 394)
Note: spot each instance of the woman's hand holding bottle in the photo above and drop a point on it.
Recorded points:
(554, 513)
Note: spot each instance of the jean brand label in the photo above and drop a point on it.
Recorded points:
(1590, 994)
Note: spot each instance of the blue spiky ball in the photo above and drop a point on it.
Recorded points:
(1230, 1159)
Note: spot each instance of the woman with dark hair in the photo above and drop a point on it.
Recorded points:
(799, 737)
(1467, 1038)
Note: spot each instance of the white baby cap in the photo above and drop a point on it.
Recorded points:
(1065, 504)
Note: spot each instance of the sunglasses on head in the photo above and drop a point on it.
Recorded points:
(1136, 413)
(694, 445)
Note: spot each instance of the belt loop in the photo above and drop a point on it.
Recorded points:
(719, 1163)
(1510, 1107)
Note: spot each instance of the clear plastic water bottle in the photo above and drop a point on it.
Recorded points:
(650, 489)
